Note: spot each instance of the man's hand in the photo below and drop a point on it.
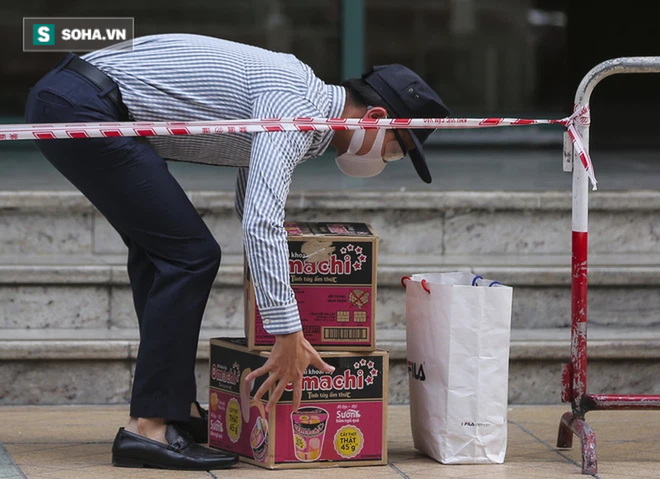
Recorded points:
(290, 356)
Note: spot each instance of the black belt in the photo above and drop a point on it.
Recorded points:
(94, 75)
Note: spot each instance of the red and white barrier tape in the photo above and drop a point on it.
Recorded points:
(175, 128)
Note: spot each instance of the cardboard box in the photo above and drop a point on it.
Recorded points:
(333, 275)
(342, 420)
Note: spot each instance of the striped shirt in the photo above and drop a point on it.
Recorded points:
(182, 77)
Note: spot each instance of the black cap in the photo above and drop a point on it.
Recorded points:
(408, 96)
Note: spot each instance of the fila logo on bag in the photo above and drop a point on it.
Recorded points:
(416, 371)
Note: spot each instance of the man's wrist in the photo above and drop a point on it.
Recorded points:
(288, 336)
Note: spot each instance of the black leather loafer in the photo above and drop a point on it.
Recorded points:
(197, 427)
(180, 452)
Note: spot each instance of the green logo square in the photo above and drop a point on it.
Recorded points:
(43, 34)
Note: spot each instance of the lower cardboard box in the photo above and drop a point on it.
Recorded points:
(342, 420)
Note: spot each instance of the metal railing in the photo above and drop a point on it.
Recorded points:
(574, 376)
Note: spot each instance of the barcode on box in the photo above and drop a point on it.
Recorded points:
(346, 334)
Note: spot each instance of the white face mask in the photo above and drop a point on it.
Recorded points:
(363, 166)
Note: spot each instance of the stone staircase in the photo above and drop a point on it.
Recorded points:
(68, 332)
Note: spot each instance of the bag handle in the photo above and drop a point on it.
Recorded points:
(404, 279)
(424, 284)
(477, 278)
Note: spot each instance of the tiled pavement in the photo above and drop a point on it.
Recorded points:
(74, 442)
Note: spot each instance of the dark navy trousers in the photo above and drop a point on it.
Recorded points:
(172, 257)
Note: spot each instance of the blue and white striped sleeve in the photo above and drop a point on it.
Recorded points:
(241, 183)
(273, 159)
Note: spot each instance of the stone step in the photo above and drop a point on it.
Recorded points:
(67, 325)
(96, 366)
(50, 292)
(411, 224)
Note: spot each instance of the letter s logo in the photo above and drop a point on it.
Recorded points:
(44, 34)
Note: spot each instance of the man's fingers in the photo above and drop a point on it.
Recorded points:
(319, 363)
(277, 394)
(297, 396)
(268, 383)
(266, 368)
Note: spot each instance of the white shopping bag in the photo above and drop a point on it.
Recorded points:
(458, 330)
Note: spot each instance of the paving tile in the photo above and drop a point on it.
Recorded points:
(449, 470)
(522, 448)
(61, 424)
(249, 471)
(30, 471)
(411, 469)
(408, 465)
(442, 475)
(628, 470)
(73, 442)
(13, 473)
(346, 473)
(110, 472)
(8, 468)
(37, 471)
(241, 471)
(22, 448)
(433, 475)
(545, 455)
(10, 472)
(632, 436)
(428, 475)
(544, 470)
(73, 456)
(56, 457)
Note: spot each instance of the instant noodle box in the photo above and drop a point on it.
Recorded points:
(332, 270)
(342, 420)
